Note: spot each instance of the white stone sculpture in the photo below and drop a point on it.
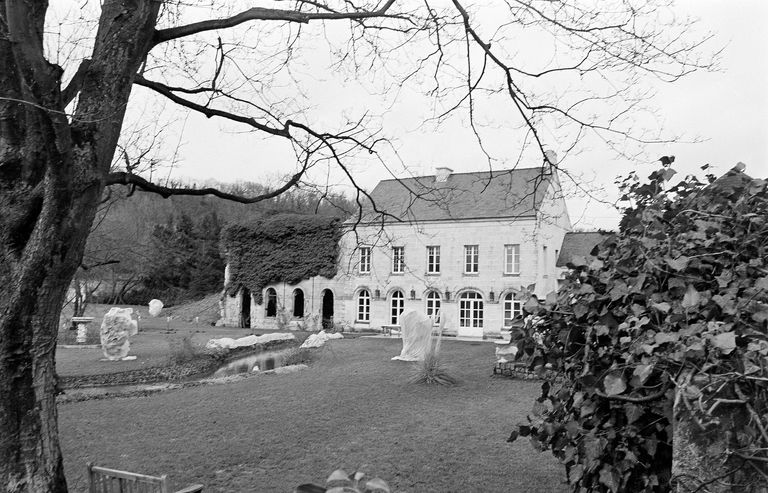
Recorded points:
(417, 336)
(116, 329)
(155, 307)
(229, 343)
(319, 339)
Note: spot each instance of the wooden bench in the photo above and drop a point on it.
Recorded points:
(103, 480)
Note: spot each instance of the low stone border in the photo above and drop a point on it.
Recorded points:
(78, 346)
(520, 370)
(74, 396)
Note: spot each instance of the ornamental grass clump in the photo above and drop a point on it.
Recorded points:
(431, 370)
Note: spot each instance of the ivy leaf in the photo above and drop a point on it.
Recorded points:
(580, 310)
(762, 283)
(662, 307)
(678, 263)
(642, 372)
(575, 473)
(725, 342)
(609, 477)
(513, 436)
(633, 413)
(664, 337)
(692, 298)
(614, 383)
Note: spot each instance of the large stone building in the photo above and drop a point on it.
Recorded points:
(462, 246)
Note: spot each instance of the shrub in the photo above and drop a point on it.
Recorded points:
(183, 350)
(672, 313)
(431, 370)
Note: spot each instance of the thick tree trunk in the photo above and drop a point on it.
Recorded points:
(52, 174)
(700, 458)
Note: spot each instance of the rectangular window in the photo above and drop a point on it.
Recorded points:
(364, 306)
(471, 259)
(433, 260)
(398, 260)
(365, 260)
(511, 259)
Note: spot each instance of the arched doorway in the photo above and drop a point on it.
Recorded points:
(245, 308)
(327, 312)
(470, 314)
(298, 303)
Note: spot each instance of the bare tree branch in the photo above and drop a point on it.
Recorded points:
(265, 14)
(123, 178)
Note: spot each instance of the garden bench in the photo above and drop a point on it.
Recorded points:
(103, 480)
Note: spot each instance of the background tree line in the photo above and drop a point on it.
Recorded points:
(146, 247)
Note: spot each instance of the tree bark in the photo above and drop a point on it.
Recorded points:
(52, 173)
(700, 455)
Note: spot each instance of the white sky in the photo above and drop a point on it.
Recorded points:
(728, 109)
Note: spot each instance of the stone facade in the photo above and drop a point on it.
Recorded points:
(482, 261)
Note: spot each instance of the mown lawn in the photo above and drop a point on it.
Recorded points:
(351, 409)
(152, 346)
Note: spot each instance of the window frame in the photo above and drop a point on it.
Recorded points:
(471, 310)
(471, 259)
(433, 306)
(396, 301)
(510, 304)
(514, 247)
(398, 259)
(433, 259)
(364, 266)
(363, 306)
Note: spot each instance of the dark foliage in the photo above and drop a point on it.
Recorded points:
(674, 306)
(281, 248)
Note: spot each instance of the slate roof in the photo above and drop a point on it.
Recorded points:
(579, 243)
(479, 195)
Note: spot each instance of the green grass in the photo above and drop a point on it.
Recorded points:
(352, 409)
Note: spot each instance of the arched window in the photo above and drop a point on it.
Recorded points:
(433, 306)
(298, 303)
(397, 305)
(363, 306)
(513, 308)
(470, 309)
(271, 302)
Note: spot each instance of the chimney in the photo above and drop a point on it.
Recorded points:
(442, 174)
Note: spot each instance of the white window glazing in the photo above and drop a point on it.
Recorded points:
(365, 260)
(433, 306)
(397, 305)
(511, 259)
(513, 308)
(364, 306)
(433, 259)
(470, 309)
(471, 259)
(398, 260)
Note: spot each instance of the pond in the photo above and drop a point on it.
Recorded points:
(268, 360)
(264, 361)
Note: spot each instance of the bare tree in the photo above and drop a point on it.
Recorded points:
(60, 123)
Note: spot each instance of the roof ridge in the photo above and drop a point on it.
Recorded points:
(463, 173)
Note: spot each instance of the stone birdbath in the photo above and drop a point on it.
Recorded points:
(82, 328)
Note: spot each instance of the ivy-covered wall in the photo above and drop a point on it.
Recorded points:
(280, 248)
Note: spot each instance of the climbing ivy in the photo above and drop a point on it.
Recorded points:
(280, 248)
(672, 313)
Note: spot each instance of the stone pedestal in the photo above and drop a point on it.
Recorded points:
(82, 328)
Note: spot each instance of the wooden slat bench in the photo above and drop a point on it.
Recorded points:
(104, 480)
